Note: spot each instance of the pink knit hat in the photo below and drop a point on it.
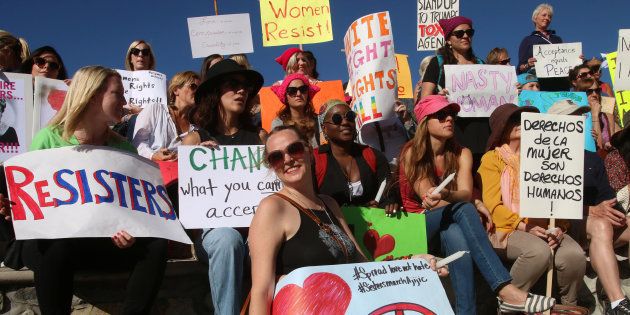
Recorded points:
(448, 25)
(281, 90)
(431, 104)
(283, 59)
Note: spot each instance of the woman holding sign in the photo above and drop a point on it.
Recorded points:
(526, 242)
(45, 62)
(541, 17)
(425, 161)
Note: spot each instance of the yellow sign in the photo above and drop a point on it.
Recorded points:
(286, 22)
(405, 88)
(622, 97)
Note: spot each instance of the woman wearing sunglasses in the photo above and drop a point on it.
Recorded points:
(139, 56)
(45, 62)
(498, 56)
(603, 123)
(425, 161)
(525, 242)
(296, 93)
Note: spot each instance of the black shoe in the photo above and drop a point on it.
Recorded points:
(622, 309)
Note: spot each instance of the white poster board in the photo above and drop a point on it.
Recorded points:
(144, 87)
(389, 287)
(16, 113)
(220, 34)
(556, 60)
(430, 34)
(89, 191)
(222, 187)
(622, 71)
(552, 166)
(48, 99)
(479, 89)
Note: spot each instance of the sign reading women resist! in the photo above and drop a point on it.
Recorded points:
(622, 70)
(556, 60)
(144, 87)
(286, 22)
(220, 34)
(552, 166)
(479, 89)
(16, 113)
(430, 33)
(48, 99)
(378, 288)
(222, 187)
(88, 191)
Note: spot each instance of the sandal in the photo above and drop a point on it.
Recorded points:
(533, 304)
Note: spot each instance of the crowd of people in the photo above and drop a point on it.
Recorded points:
(315, 154)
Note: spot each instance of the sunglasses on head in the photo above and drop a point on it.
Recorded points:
(460, 33)
(40, 62)
(505, 61)
(591, 91)
(144, 51)
(295, 150)
(583, 75)
(337, 119)
(443, 114)
(292, 90)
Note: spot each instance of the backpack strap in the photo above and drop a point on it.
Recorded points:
(321, 165)
(440, 60)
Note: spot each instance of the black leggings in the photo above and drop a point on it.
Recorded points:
(54, 263)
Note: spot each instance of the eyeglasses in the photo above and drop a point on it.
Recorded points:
(292, 90)
(144, 51)
(591, 91)
(505, 61)
(337, 119)
(583, 75)
(235, 85)
(460, 33)
(296, 150)
(41, 62)
(443, 114)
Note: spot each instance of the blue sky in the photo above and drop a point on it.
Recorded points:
(98, 32)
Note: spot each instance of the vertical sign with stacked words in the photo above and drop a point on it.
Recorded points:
(622, 71)
(220, 34)
(622, 97)
(430, 33)
(144, 87)
(479, 89)
(286, 22)
(48, 98)
(222, 187)
(16, 113)
(552, 166)
(377, 288)
(556, 60)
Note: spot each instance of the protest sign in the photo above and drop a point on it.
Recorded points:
(430, 33)
(405, 88)
(387, 136)
(622, 97)
(387, 238)
(369, 47)
(608, 105)
(390, 287)
(555, 60)
(222, 187)
(168, 169)
(286, 22)
(544, 100)
(270, 105)
(479, 89)
(622, 69)
(88, 191)
(144, 87)
(552, 166)
(220, 34)
(48, 98)
(16, 113)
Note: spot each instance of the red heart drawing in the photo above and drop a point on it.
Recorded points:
(55, 98)
(323, 293)
(378, 245)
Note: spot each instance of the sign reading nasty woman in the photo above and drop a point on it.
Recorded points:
(479, 89)
(392, 287)
(552, 166)
(222, 187)
(88, 191)
(556, 60)
(144, 87)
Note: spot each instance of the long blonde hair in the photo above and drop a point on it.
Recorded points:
(128, 65)
(86, 83)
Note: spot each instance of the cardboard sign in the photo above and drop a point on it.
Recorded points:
(385, 238)
(430, 33)
(286, 22)
(222, 187)
(552, 166)
(16, 113)
(88, 191)
(479, 89)
(608, 105)
(405, 88)
(220, 34)
(556, 60)
(144, 87)
(621, 96)
(369, 47)
(48, 99)
(392, 287)
(271, 105)
(622, 69)
(544, 100)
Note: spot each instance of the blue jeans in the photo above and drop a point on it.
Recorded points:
(225, 252)
(459, 228)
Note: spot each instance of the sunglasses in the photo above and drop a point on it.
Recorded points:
(583, 75)
(443, 114)
(591, 91)
(41, 62)
(337, 119)
(296, 150)
(144, 51)
(505, 61)
(235, 85)
(192, 86)
(292, 91)
(460, 33)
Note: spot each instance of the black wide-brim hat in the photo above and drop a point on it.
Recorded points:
(221, 70)
(500, 118)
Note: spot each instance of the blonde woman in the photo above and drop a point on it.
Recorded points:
(13, 51)
(139, 56)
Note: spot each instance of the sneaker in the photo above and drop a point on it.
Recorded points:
(622, 309)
